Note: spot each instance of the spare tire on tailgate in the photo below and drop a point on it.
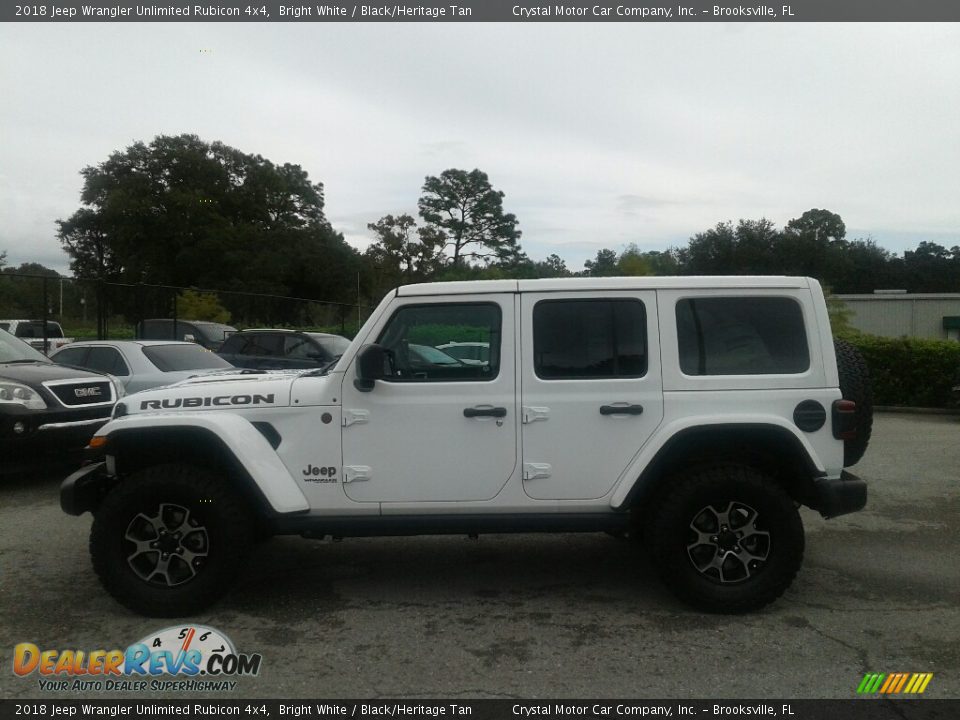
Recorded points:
(855, 385)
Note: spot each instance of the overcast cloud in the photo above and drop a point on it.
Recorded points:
(600, 135)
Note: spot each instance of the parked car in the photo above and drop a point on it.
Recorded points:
(47, 411)
(282, 349)
(208, 334)
(31, 332)
(469, 353)
(142, 364)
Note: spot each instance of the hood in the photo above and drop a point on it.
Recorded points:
(230, 390)
(35, 373)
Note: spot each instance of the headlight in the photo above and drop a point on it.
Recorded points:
(15, 393)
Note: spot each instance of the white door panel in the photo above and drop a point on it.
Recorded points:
(580, 433)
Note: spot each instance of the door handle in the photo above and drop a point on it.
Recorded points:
(621, 409)
(473, 412)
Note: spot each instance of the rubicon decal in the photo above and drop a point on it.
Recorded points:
(894, 683)
(216, 401)
(190, 651)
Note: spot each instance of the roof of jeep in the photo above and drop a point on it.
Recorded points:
(685, 282)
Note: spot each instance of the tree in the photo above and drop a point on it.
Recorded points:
(553, 267)
(24, 296)
(603, 265)
(633, 262)
(402, 253)
(748, 248)
(201, 306)
(184, 212)
(404, 249)
(857, 266)
(712, 252)
(820, 224)
(663, 262)
(808, 242)
(932, 268)
(469, 213)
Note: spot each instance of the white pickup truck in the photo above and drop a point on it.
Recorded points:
(31, 332)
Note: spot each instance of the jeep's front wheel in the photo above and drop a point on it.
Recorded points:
(726, 538)
(170, 539)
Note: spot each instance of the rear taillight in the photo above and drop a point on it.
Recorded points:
(844, 419)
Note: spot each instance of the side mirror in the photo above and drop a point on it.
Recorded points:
(371, 361)
(189, 338)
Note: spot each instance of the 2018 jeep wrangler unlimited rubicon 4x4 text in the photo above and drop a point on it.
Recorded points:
(697, 413)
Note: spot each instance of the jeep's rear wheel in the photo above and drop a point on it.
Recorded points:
(726, 538)
(170, 539)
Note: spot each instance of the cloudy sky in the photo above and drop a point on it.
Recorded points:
(599, 134)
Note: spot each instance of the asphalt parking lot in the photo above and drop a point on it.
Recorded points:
(541, 616)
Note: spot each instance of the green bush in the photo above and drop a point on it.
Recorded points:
(911, 372)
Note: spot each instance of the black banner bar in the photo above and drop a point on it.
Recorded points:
(484, 11)
(873, 708)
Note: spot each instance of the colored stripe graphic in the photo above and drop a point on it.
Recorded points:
(894, 683)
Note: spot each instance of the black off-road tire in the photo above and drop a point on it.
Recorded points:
(229, 530)
(855, 385)
(684, 502)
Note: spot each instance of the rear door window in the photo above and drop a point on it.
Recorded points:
(107, 360)
(589, 339)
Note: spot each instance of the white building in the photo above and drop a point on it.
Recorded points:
(897, 314)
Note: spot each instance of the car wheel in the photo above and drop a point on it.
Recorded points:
(726, 538)
(169, 540)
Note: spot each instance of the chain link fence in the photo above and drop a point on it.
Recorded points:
(96, 309)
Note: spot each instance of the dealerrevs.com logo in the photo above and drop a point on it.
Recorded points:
(178, 658)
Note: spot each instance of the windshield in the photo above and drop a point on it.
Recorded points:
(34, 329)
(215, 332)
(171, 358)
(476, 351)
(430, 355)
(14, 350)
(334, 345)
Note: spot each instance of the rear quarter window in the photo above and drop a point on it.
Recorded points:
(741, 336)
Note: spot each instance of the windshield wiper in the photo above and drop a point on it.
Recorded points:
(322, 370)
(24, 360)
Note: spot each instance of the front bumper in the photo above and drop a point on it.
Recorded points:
(85, 489)
(44, 439)
(839, 496)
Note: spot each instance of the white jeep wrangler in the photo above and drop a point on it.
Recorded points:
(696, 412)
